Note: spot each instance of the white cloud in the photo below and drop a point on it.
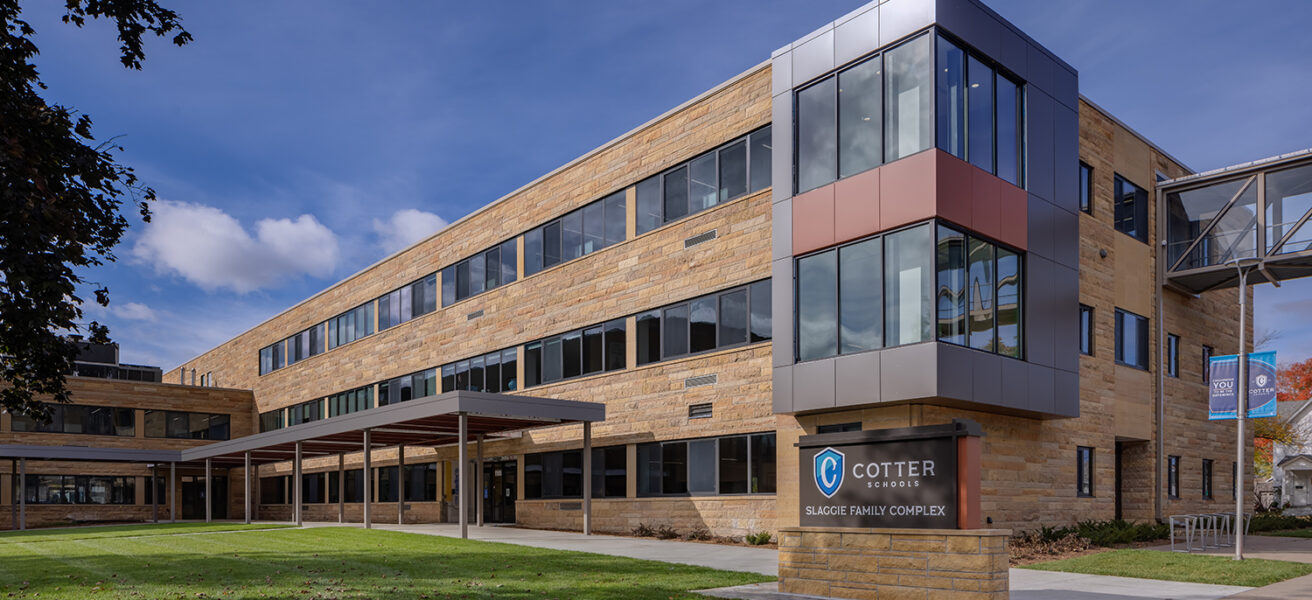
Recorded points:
(406, 227)
(211, 249)
(133, 311)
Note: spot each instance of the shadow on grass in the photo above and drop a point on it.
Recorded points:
(337, 563)
(61, 534)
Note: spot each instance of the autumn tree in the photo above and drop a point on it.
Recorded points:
(1295, 385)
(1295, 382)
(62, 196)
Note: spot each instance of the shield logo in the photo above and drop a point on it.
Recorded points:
(829, 471)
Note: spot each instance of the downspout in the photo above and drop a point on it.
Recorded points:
(1161, 345)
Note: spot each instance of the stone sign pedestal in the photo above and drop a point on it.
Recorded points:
(919, 564)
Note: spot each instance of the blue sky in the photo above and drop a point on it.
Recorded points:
(296, 142)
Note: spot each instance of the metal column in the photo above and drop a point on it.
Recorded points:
(462, 475)
(154, 493)
(173, 492)
(209, 500)
(341, 488)
(246, 472)
(1241, 410)
(22, 493)
(296, 485)
(368, 479)
(478, 478)
(400, 484)
(587, 478)
(13, 485)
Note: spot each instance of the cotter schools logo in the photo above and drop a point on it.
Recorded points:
(1261, 380)
(829, 471)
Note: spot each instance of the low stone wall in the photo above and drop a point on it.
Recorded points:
(894, 563)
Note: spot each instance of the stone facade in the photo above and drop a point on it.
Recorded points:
(894, 563)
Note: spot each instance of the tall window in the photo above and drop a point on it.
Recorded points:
(979, 113)
(479, 273)
(1131, 339)
(1207, 478)
(1086, 188)
(1131, 208)
(725, 319)
(737, 168)
(1086, 330)
(1173, 477)
(908, 98)
(1207, 363)
(729, 465)
(1172, 355)
(839, 123)
(1084, 471)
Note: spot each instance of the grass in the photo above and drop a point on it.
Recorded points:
(116, 531)
(1173, 566)
(333, 562)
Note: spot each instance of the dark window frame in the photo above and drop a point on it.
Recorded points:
(1088, 329)
(560, 338)
(121, 421)
(1173, 477)
(659, 178)
(1130, 218)
(218, 425)
(717, 297)
(449, 294)
(752, 478)
(1143, 343)
(1172, 355)
(1208, 471)
(1085, 458)
(1086, 188)
(1208, 352)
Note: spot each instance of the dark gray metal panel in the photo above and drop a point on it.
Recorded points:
(781, 230)
(856, 35)
(813, 58)
(1039, 217)
(1039, 317)
(1039, 163)
(1013, 53)
(1041, 384)
(1066, 301)
(1066, 393)
(781, 311)
(813, 385)
(956, 378)
(1066, 86)
(781, 74)
(1040, 68)
(898, 18)
(1066, 158)
(971, 23)
(1015, 384)
(781, 157)
(857, 379)
(987, 375)
(1065, 238)
(909, 372)
(783, 390)
(81, 453)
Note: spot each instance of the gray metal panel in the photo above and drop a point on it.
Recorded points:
(1065, 238)
(957, 378)
(856, 379)
(81, 453)
(987, 375)
(781, 158)
(1066, 158)
(781, 73)
(783, 390)
(781, 310)
(1066, 86)
(813, 58)
(856, 35)
(898, 18)
(971, 23)
(1041, 384)
(1039, 317)
(1015, 376)
(1066, 326)
(1066, 393)
(781, 230)
(909, 372)
(1040, 68)
(1038, 150)
(1039, 217)
(1013, 52)
(813, 385)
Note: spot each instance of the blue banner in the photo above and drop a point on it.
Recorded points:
(1223, 394)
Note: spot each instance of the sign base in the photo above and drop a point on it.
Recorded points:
(840, 562)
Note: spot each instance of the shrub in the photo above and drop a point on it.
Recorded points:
(759, 538)
(1099, 533)
(699, 535)
(1036, 544)
(644, 530)
(1270, 522)
(665, 532)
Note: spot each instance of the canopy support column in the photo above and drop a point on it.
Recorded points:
(246, 473)
(341, 488)
(22, 493)
(368, 477)
(13, 485)
(400, 484)
(209, 500)
(154, 492)
(587, 478)
(173, 492)
(462, 475)
(478, 477)
(296, 486)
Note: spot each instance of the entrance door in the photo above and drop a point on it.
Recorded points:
(191, 496)
(499, 490)
(1299, 495)
(1120, 449)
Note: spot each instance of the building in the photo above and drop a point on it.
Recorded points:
(946, 229)
(1291, 465)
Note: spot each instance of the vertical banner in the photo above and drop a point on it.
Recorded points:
(1223, 388)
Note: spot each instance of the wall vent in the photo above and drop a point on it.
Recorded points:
(700, 380)
(699, 411)
(701, 238)
(569, 506)
(474, 315)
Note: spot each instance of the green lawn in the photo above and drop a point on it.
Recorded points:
(114, 531)
(1174, 566)
(332, 562)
